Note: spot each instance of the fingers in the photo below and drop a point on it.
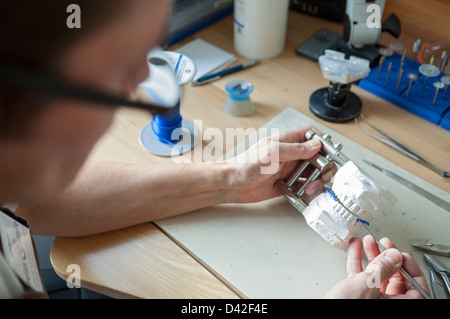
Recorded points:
(297, 151)
(410, 265)
(385, 265)
(396, 284)
(408, 290)
(318, 184)
(329, 174)
(293, 147)
(383, 268)
(295, 135)
(412, 268)
(370, 248)
(354, 256)
(365, 284)
(387, 243)
(388, 261)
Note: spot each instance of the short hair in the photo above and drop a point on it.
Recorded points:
(34, 35)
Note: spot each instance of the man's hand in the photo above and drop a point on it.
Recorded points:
(382, 277)
(272, 159)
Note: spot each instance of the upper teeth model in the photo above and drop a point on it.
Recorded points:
(359, 193)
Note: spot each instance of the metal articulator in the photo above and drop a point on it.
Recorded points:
(294, 188)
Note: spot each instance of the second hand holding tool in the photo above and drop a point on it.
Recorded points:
(408, 276)
(364, 224)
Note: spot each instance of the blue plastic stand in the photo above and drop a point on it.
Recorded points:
(168, 134)
(419, 101)
(164, 124)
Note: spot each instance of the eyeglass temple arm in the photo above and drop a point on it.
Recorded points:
(61, 88)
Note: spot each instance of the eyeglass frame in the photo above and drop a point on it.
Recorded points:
(60, 87)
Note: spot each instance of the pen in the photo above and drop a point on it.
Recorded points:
(212, 77)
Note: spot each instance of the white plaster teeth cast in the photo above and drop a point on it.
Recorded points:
(358, 192)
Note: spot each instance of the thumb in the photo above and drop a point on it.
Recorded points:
(385, 265)
(296, 151)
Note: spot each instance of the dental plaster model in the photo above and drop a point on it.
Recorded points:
(360, 194)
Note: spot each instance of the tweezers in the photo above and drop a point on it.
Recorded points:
(440, 284)
(436, 249)
(400, 147)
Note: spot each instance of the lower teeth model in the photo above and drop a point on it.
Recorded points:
(358, 192)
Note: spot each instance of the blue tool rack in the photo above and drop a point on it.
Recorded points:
(418, 102)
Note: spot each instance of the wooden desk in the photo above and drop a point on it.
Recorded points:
(142, 261)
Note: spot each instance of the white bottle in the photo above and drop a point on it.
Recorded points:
(260, 27)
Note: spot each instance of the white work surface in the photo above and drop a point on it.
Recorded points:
(266, 250)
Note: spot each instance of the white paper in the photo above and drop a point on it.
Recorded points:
(207, 57)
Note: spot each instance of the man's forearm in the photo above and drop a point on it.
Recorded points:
(109, 196)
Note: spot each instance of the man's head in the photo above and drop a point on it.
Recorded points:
(45, 140)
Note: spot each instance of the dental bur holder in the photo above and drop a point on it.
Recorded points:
(294, 188)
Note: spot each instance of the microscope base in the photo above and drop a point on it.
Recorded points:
(318, 104)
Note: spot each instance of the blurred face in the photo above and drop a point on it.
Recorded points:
(113, 60)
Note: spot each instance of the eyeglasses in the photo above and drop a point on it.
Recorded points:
(62, 88)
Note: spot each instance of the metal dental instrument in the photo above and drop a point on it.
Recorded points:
(403, 58)
(437, 249)
(412, 77)
(384, 52)
(400, 147)
(364, 224)
(387, 52)
(428, 70)
(440, 283)
(396, 46)
(400, 70)
(438, 201)
(437, 287)
(446, 81)
(438, 85)
(388, 72)
(380, 65)
(399, 77)
(320, 164)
